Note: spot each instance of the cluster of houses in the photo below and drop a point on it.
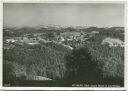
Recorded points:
(24, 39)
(70, 36)
(33, 39)
(36, 37)
(21, 39)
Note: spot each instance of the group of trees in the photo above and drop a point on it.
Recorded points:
(38, 60)
(81, 66)
(84, 63)
(93, 63)
(88, 61)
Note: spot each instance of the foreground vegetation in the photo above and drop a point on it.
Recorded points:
(88, 63)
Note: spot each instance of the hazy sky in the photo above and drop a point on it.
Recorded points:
(102, 15)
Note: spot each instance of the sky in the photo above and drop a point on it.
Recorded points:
(65, 14)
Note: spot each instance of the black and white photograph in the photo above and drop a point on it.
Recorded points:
(63, 44)
(64, 90)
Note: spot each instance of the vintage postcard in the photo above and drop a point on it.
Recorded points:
(63, 44)
(65, 90)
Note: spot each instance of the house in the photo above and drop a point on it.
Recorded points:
(60, 39)
(35, 43)
(25, 40)
(11, 40)
(94, 32)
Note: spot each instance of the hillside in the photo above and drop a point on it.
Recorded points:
(85, 56)
(38, 60)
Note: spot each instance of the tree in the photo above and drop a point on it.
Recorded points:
(81, 66)
(8, 73)
(50, 35)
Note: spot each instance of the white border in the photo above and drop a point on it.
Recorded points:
(126, 47)
(65, 1)
(1, 41)
(60, 88)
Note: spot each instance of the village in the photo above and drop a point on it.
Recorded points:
(65, 38)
